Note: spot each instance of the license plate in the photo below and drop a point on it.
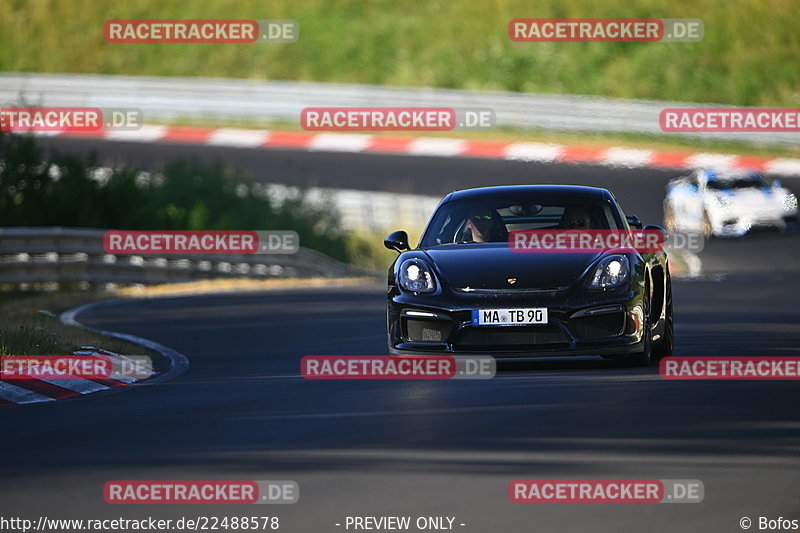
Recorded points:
(509, 317)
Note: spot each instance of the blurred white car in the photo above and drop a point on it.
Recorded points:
(727, 204)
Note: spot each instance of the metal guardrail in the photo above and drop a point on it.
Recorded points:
(373, 212)
(168, 99)
(35, 256)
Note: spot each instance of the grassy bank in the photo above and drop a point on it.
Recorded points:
(747, 57)
(29, 326)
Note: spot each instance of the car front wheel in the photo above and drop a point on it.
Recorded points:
(665, 345)
(644, 358)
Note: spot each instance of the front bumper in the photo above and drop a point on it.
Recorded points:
(727, 224)
(579, 324)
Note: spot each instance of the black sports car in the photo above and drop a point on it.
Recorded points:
(464, 291)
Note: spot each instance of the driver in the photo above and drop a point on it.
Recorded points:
(576, 217)
(486, 225)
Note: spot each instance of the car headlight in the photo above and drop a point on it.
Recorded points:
(416, 276)
(722, 201)
(790, 203)
(611, 271)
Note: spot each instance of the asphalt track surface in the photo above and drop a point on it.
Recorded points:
(444, 448)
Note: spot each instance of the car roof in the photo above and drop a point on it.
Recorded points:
(712, 175)
(577, 191)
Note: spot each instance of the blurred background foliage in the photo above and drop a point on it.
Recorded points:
(39, 188)
(748, 55)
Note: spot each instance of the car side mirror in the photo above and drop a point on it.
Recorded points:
(397, 241)
(634, 222)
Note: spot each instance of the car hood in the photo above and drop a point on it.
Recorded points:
(491, 266)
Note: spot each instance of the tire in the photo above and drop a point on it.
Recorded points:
(791, 224)
(388, 335)
(645, 357)
(665, 345)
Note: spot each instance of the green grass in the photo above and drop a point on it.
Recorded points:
(28, 326)
(748, 56)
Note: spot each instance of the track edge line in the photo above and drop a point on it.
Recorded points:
(179, 363)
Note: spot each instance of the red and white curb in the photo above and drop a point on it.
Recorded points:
(445, 147)
(21, 391)
(34, 391)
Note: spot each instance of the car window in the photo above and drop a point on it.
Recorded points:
(490, 220)
(743, 182)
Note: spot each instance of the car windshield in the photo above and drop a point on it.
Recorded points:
(742, 182)
(474, 220)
